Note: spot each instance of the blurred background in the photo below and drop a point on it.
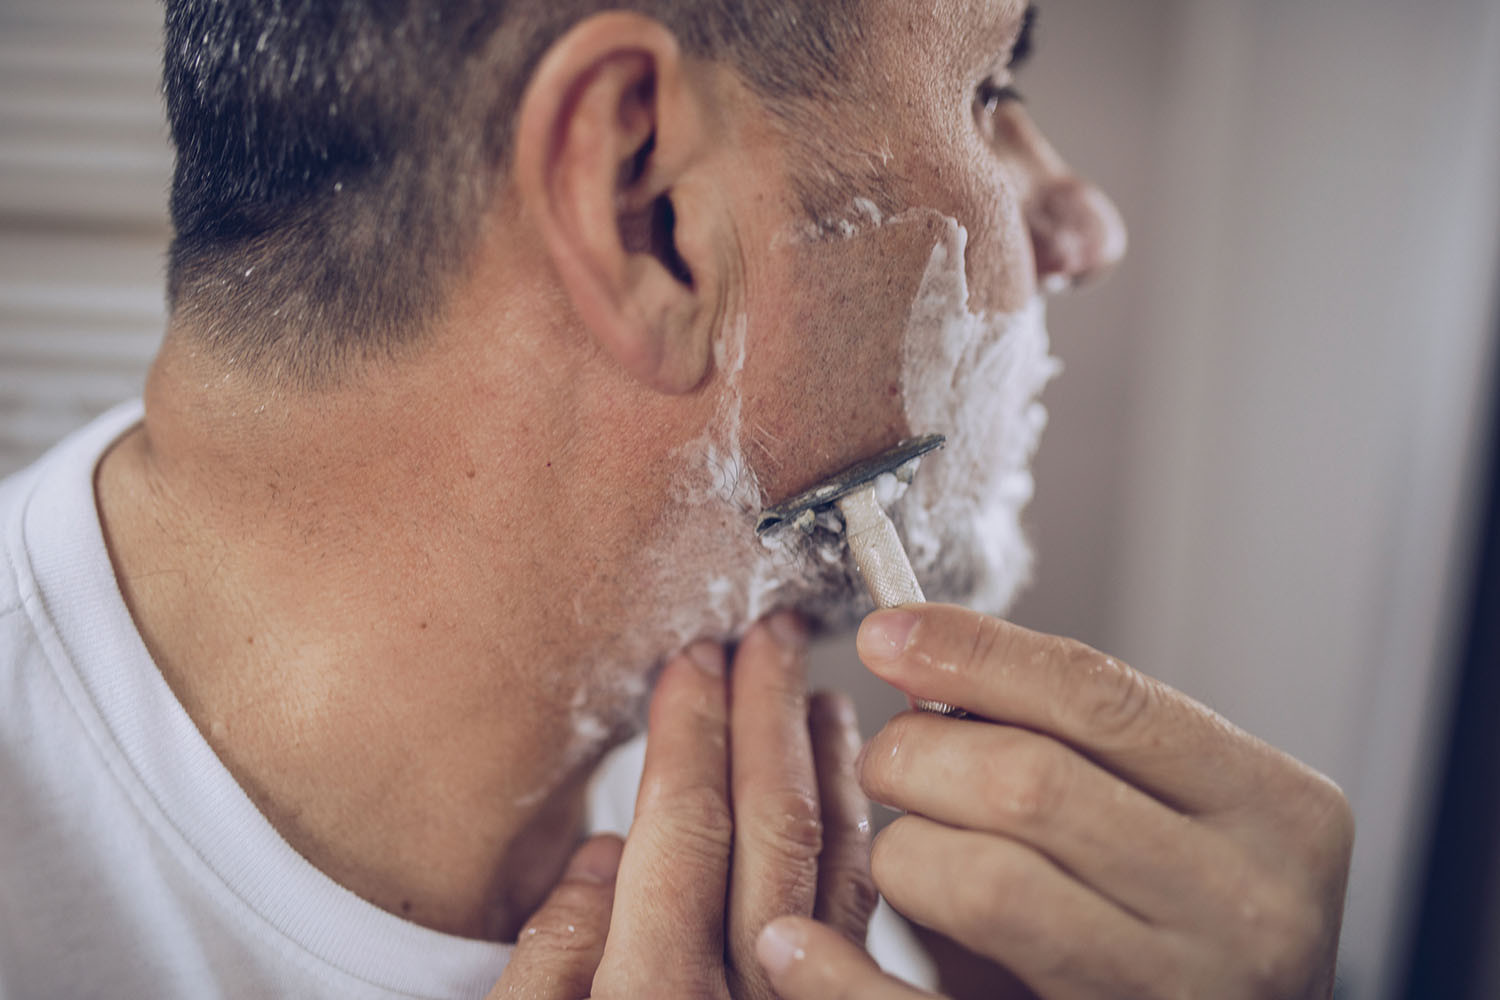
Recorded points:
(1270, 474)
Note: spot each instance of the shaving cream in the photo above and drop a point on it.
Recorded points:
(973, 377)
(706, 574)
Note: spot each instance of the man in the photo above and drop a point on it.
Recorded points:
(493, 328)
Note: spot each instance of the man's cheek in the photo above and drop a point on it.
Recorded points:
(823, 386)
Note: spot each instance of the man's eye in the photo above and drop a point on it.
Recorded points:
(993, 95)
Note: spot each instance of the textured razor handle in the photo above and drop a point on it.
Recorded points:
(882, 562)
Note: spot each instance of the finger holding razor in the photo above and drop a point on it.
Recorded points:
(1088, 829)
(868, 530)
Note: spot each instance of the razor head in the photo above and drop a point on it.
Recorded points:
(831, 490)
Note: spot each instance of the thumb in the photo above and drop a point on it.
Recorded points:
(560, 946)
(806, 960)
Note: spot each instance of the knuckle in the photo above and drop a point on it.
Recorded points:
(1286, 931)
(570, 921)
(1160, 968)
(698, 816)
(1111, 699)
(1030, 784)
(1166, 979)
(861, 897)
(1335, 826)
(1001, 888)
(986, 639)
(976, 904)
(1316, 809)
(850, 902)
(619, 981)
(790, 824)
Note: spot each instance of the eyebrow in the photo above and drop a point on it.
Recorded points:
(1026, 40)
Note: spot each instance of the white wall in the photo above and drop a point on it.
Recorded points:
(1312, 320)
(1308, 399)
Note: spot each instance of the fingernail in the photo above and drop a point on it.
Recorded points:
(778, 946)
(885, 635)
(709, 658)
(787, 628)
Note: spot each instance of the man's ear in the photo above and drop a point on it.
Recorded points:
(607, 127)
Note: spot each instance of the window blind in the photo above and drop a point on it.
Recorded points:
(84, 170)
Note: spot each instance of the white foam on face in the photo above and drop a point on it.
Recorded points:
(706, 574)
(889, 490)
(972, 376)
(717, 501)
(976, 378)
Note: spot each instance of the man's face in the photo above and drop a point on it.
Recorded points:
(939, 142)
(910, 304)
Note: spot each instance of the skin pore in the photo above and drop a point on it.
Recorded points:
(433, 594)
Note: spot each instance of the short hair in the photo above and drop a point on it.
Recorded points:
(333, 158)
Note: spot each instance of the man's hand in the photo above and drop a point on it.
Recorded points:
(1089, 829)
(748, 810)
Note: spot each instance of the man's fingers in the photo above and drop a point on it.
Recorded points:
(1007, 902)
(778, 830)
(1029, 787)
(1155, 737)
(560, 946)
(669, 900)
(846, 892)
(808, 961)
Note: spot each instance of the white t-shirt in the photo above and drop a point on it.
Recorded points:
(131, 863)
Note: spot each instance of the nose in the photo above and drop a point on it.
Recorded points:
(1077, 234)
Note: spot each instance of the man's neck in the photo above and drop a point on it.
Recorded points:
(360, 603)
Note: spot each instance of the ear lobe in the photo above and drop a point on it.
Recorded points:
(606, 128)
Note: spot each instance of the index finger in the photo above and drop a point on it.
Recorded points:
(778, 832)
(1142, 730)
(560, 947)
(668, 918)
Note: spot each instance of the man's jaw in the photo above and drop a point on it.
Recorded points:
(705, 574)
(974, 377)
